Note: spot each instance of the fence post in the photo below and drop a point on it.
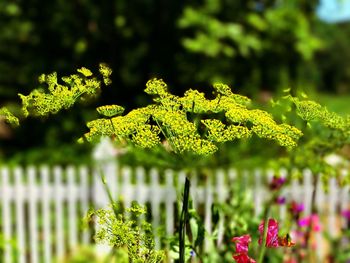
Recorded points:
(104, 156)
(105, 163)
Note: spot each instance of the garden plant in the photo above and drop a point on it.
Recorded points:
(186, 127)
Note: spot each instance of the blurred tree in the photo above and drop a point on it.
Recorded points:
(335, 68)
(254, 44)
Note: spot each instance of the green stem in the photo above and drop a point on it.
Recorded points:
(108, 191)
(111, 200)
(183, 221)
(167, 137)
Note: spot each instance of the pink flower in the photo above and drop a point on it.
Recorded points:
(304, 221)
(280, 200)
(271, 234)
(346, 214)
(241, 255)
(312, 220)
(242, 243)
(243, 258)
(277, 182)
(296, 208)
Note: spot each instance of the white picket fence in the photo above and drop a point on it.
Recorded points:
(41, 207)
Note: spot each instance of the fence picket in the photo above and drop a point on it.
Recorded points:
(72, 208)
(20, 208)
(33, 228)
(155, 202)
(295, 191)
(194, 194)
(282, 208)
(46, 191)
(6, 214)
(111, 175)
(332, 201)
(308, 189)
(170, 199)
(320, 197)
(140, 194)
(84, 198)
(207, 208)
(59, 212)
(100, 198)
(221, 192)
(126, 190)
(258, 194)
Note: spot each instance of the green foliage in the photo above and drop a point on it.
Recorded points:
(84, 254)
(216, 37)
(189, 123)
(238, 213)
(340, 247)
(254, 43)
(123, 231)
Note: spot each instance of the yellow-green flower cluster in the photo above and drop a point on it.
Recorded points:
(222, 89)
(311, 111)
(237, 115)
(308, 110)
(9, 117)
(156, 87)
(121, 231)
(106, 73)
(110, 110)
(62, 96)
(195, 101)
(219, 132)
(179, 120)
(147, 136)
(86, 72)
(171, 118)
(98, 128)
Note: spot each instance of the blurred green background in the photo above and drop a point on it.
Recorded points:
(258, 47)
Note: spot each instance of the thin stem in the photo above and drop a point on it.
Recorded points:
(183, 221)
(166, 137)
(108, 191)
(111, 200)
